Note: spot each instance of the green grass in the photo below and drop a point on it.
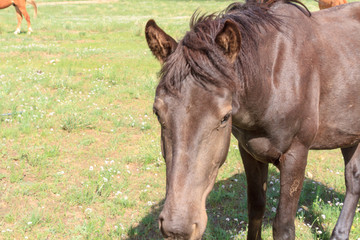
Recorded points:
(80, 152)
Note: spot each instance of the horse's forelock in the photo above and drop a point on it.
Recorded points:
(197, 54)
(198, 58)
(173, 72)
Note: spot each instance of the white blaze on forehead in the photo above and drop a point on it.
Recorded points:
(158, 103)
(159, 100)
(226, 110)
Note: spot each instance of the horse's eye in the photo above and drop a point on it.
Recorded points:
(162, 123)
(225, 118)
(156, 113)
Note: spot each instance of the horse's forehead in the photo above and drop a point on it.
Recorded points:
(186, 97)
(193, 97)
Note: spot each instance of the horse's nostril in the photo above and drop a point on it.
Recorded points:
(194, 226)
(161, 227)
(194, 230)
(161, 219)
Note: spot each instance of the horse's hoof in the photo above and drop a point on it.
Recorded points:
(17, 31)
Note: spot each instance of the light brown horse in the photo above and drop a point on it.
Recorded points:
(330, 3)
(20, 7)
(323, 4)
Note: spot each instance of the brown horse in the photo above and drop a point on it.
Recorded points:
(323, 4)
(20, 7)
(330, 3)
(282, 81)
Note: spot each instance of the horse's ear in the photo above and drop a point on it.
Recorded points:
(161, 44)
(229, 40)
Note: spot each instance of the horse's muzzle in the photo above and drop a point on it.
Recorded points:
(180, 229)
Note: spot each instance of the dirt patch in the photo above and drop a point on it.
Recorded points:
(75, 2)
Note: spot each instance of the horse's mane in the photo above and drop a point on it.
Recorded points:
(198, 58)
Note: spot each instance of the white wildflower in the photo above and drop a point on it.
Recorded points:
(88, 210)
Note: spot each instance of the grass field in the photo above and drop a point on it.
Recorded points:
(79, 145)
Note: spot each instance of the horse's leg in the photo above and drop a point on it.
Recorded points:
(352, 181)
(256, 175)
(27, 17)
(292, 169)
(19, 19)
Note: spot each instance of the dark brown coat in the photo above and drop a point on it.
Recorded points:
(282, 82)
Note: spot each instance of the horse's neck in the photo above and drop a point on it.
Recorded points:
(250, 103)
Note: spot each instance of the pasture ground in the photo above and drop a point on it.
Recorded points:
(79, 145)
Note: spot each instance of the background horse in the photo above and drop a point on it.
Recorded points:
(20, 7)
(323, 4)
(330, 3)
(282, 81)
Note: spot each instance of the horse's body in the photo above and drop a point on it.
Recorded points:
(282, 82)
(330, 3)
(323, 4)
(20, 7)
